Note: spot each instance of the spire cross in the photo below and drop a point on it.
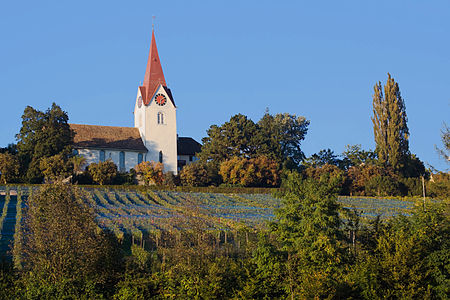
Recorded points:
(153, 22)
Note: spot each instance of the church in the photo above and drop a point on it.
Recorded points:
(154, 135)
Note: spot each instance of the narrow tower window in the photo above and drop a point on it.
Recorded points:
(160, 157)
(160, 118)
(140, 158)
(122, 161)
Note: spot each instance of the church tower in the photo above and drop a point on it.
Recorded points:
(155, 114)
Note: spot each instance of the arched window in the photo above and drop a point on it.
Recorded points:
(140, 158)
(75, 152)
(122, 161)
(160, 118)
(160, 157)
(102, 155)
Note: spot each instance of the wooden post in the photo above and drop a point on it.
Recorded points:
(423, 191)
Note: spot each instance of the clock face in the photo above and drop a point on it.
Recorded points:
(160, 99)
(139, 101)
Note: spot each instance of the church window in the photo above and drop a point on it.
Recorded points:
(140, 158)
(75, 152)
(160, 157)
(122, 161)
(160, 118)
(102, 155)
(191, 158)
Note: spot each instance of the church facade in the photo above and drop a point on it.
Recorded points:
(154, 135)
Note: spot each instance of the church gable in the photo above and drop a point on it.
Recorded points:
(162, 97)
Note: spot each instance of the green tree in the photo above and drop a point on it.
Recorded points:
(283, 134)
(309, 230)
(11, 149)
(445, 136)
(410, 259)
(354, 155)
(65, 253)
(9, 167)
(43, 134)
(238, 137)
(54, 168)
(103, 172)
(389, 125)
(323, 157)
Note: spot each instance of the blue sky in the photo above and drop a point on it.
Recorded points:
(318, 59)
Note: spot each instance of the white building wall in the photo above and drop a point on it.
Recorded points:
(159, 137)
(93, 156)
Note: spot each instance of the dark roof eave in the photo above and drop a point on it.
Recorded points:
(109, 148)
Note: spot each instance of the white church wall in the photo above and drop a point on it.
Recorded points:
(160, 137)
(93, 156)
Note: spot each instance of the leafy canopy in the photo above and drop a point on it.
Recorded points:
(43, 134)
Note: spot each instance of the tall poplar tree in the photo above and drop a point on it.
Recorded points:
(389, 125)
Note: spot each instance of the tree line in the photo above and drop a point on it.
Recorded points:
(242, 153)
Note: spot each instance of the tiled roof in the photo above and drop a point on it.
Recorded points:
(188, 146)
(107, 137)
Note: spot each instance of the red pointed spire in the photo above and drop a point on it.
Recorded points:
(154, 75)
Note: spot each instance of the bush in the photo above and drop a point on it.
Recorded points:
(252, 172)
(150, 172)
(125, 178)
(171, 180)
(103, 172)
(195, 174)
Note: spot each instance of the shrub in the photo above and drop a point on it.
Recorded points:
(151, 172)
(171, 180)
(103, 172)
(195, 174)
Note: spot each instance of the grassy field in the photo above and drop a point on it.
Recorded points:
(128, 212)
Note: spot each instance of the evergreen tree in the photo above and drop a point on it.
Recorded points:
(389, 125)
(43, 134)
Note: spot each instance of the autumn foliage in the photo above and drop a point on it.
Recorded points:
(195, 174)
(259, 171)
(151, 172)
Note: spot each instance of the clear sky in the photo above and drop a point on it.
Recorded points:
(318, 59)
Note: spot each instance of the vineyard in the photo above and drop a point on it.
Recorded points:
(150, 212)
